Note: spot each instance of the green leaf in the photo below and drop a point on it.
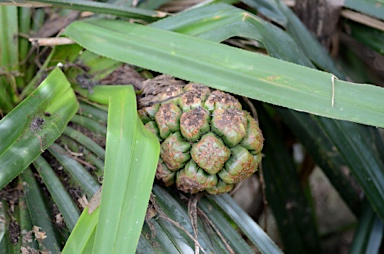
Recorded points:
(308, 43)
(25, 222)
(34, 124)
(59, 54)
(159, 238)
(224, 227)
(97, 67)
(5, 241)
(97, 7)
(351, 63)
(144, 246)
(9, 42)
(94, 113)
(174, 210)
(82, 238)
(85, 141)
(88, 155)
(321, 148)
(285, 195)
(58, 192)
(24, 28)
(245, 223)
(371, 7)
(357, 148)
(131, 157)
(15, 215)
(368, 36)
(368, 234)
(230, 69)
(180, 239)
(279, 12)
(152, 4)
(219, 22)
(269, 9)
(90, 124)
(26, 69)
(126, 165)
(77, 171)
(40, 213)
(8, 57)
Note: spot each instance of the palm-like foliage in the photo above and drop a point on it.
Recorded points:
(189, 50)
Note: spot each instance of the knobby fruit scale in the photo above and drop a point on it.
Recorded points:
(208, 143)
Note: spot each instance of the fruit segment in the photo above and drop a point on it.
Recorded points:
(208, 143)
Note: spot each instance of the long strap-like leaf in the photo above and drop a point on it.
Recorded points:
(34, 124)
(233, 70)
(130, 164)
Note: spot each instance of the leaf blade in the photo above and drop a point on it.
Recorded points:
(353, 144)
(285, 195)
(220, 66)
(40, 213)
(369, 233)
(221, 21)
(99, 7)
(320, 147)
(371, 7)
(246, 223)
(24, 137)
(59, 194)
(125, 166)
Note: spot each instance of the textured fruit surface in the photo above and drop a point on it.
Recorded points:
(208, 143)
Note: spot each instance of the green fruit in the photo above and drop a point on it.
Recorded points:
(208, 143)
